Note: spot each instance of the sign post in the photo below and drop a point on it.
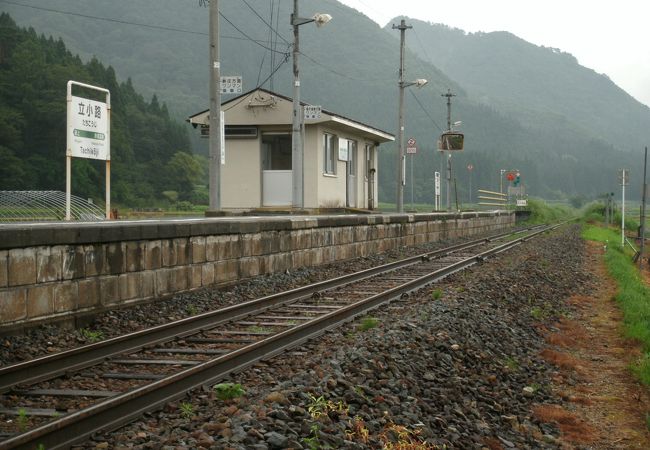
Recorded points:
(623, 179)
(437, 190)
(470, 167)
(88, 136)
(411, 149)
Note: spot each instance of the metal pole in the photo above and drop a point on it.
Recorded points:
(215, 109)
(400, 126)
(623, 212)
(412, 203)
(643, 196)
(296, 134)
(470, 186)
(449, 95)
(68, 185)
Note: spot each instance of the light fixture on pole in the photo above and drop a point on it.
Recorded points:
(401, 160)
(297, 147)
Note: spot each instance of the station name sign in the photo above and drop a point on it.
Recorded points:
(88, 133)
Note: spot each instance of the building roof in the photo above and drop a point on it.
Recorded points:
(202, 118)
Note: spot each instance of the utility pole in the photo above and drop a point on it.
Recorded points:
(296, 135)
(645, 190)
(402, 27)
(215, 110)
(449, 95)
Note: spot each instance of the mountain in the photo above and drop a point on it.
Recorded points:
(150, 151)
(539, 86)
(348, 66)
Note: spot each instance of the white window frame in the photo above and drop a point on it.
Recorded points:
(330, 154)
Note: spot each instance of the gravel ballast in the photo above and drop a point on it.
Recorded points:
(454, 365)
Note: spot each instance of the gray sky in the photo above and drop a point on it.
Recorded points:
(608, 36)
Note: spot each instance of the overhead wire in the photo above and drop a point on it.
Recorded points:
(425, 111)
(144, 25)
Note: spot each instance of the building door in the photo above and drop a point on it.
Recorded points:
(351, 178)
(277, 175)
(370, 172)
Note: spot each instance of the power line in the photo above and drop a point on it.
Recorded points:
(265, 22)
(425, 111)
(250, 38)
(324, 66)
(143, 25)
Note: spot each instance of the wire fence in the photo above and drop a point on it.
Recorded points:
(43, 206)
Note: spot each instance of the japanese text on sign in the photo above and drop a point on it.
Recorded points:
(312, 112)
(231, 85)
(88, 129)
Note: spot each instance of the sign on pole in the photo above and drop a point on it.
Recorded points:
(312, 112)
(88, 136)
(88, 132)
(231, 85)
(437, 190)
(411, 148)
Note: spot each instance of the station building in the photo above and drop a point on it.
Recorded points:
(340, 156)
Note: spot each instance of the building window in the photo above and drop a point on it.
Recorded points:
(352, 157)
(330, 150)
(276, 151)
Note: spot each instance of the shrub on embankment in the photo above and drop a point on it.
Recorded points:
(632, 294)
(542, 212)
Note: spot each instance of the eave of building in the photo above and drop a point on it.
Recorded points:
(328, 117)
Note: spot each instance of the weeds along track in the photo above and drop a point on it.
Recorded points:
(58, 400)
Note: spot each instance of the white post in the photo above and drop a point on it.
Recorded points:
(68, 185)
(623, 214)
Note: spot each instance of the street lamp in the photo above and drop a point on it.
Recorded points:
(297, 148)
(401, 163)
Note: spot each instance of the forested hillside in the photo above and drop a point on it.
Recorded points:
(537, 85)
(350, 66)
(150, 151)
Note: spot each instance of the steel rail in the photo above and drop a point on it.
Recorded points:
(123, 408)
(50, 366)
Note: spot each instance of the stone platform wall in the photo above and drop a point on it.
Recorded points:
(63, 271)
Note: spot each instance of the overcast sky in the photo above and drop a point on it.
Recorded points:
(611, 37)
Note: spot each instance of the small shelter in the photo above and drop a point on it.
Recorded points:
(340, 155)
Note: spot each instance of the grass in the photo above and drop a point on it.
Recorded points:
(228, 391)
(632, 295)
(367, 323)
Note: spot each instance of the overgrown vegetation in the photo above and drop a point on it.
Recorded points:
(228, 391)
(150, 152)
(368, 323)
(632, 294)
(543, 212)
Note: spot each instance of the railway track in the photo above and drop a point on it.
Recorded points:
(67, 397)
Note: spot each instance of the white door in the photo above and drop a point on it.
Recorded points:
(277, 175)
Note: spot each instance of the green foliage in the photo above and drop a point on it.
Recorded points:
(187, 410)
(632, 294)
(149, 150)
(91, 336)
(436, 294)
(228, 391)
(543, 212)
(367, 323)
(22, 419)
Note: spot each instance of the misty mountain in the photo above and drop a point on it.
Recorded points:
(348, 66)
(539, 86)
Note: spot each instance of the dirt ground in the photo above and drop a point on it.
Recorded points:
(607, 405)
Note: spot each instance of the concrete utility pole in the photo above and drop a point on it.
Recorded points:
(296, 135)
(449, 95)
(643, 202)
(402, 27)
(215, 109)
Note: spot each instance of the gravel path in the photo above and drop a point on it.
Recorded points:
(455, 365)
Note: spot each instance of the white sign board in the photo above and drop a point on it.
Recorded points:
(312, 112)
(231, 85)
(411, 150)
(222, 116)
(437, 182)
(343, 149)
(523, 202)
(88, 129)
